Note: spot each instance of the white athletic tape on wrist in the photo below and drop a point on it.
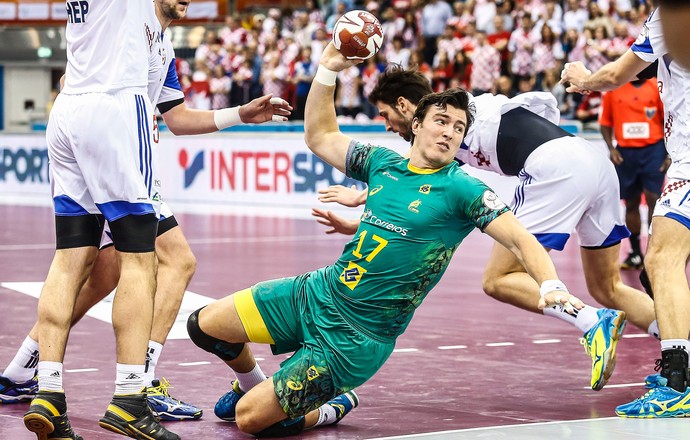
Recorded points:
(227, 117)
(325, 76)
(551, 285)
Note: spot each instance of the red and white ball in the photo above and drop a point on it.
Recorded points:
(358, 35)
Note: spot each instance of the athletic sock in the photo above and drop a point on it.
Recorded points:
(635, 243)
(152, 355)
(653, 329)
(249, 380)
(129, 379)
(560, 313)
(23, 366)
(587, 317)
(327, 415)
(680, 344)
(50, 376)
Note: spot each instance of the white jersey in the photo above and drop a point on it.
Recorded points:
(479, 147)
(109, 44)
(674, 89)
(164, 88)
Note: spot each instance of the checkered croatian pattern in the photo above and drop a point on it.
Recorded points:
(678, 184)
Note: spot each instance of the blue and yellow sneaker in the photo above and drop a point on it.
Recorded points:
(343, 404)
(225, 407)
(14, 392)
(47, 417)
(166, 407)
(659, 402)
(600, 343)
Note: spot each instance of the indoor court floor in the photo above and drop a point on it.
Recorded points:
(468, 367)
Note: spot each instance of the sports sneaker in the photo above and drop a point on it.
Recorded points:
(13, 392)
(47, 417)
(658, 402)
(633, 262)
(131, 416)
(166, 407)
(343, 404)
(600, 343)
(225, 407)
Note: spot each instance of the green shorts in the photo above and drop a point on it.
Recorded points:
(331, 357)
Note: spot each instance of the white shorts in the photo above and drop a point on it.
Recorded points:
(102, 157)
(675, 201)
(107, 236)
(567, 185)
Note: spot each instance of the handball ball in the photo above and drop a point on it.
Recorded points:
(358, 35)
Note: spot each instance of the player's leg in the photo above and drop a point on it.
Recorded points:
(634, 223)
(176, 265)
(630, 184)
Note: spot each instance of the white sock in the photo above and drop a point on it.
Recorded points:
(129, 379)
(152, 355)
(670, 344)
(653, 329)
(586, 318)
(50, 376)
(327, 415)
(23, 366)
(249, 380)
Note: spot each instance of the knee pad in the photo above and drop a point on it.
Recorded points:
(135, 233)
(78, 231)
(165, 225)
(283, 429)
(227, 351)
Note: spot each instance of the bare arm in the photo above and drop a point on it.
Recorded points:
(321, 131)
(609, 77)
(182, 120)
(508, 231)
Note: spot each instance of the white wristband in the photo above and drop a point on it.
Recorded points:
(551, 285)
(325, 76)
(227, 117)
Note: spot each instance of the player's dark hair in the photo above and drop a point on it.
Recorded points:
(396, 82)
(456, 97)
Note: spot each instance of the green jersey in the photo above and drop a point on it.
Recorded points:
(412, 224)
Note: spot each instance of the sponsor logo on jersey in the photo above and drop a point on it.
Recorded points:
(369, 217)
(425, 189)
(352, 274)
(312, 373)
(376, 189)
(644, 33)
(389, 175)
(414, 206)
(491, 201)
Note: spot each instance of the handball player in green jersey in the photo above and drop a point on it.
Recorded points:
(341, 321)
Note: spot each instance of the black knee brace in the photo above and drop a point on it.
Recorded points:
(78, 231)
(284, 428)
(227, 351)
(135, 233)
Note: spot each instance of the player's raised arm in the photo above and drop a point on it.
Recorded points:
(321, 132)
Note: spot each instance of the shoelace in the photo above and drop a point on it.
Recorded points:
(164, 386)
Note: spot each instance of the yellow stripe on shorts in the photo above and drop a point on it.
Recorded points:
(251, 319)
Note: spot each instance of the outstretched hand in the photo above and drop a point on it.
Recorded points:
(332, 59)
(351, 197)
(265, 108)
(335, 222)
(560, 298)
(575, 73)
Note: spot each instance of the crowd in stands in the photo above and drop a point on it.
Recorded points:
(484, 46)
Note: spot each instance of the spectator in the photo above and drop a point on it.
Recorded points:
(219, 86)
(499, 40)
(547, 55)
(575, 17)
(397, 53)
(274, 77)
(486, 66)
(504, 86)
(588, 110)
(348, 102)
(521, 45)
(370, 74)
(597, 48)
(434, 16)
(305, 69)
(442, 73)
(340, 9)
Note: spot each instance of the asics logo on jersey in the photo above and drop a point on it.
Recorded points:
(76, 11)
(389, 175)
(375, 190)
(414, 206)
(193, 169)
(369, 217)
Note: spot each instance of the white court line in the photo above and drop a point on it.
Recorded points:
(500, 344)
(620, 385)
(637, 335)
(451, 347)
(191, 364)
(405, 350)
(81, 370)
(489, 428)
(546, 341)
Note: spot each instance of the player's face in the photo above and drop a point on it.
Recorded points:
(174, 9)
(439, 135)
(396, 121)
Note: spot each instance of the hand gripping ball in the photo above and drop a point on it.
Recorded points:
(358, 35)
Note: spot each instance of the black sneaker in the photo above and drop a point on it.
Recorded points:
(130, 415)
(633, 262)
(47, 417)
